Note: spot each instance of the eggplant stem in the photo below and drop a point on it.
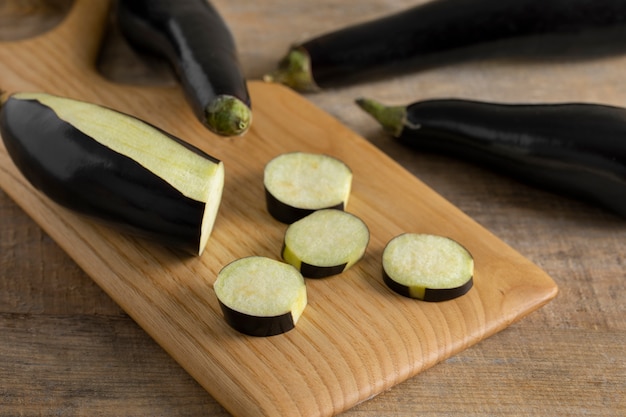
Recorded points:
(392, 118)
(294, 71)
(228, 116)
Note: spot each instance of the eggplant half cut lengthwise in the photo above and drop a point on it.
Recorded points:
(440, 32)
(575, 149)
(115, 168)
(193, 37)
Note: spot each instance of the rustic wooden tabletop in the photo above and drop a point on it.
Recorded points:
(68, 349)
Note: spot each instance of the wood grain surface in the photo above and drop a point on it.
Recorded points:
(71, 350)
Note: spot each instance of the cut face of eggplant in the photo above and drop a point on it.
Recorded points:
(427, 267)
(260, 296)
(114, 167)
(326, 242)
(298, 183)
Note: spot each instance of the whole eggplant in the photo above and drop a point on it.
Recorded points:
(440, 31)
(577, 149)
(198, 43)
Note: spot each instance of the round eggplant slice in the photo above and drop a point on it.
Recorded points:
(427, 267)
(298, 183)
(260, 296)
(326, 242)
(114, 167)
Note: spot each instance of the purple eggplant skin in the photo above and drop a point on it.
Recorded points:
(81, 174)
(193, 37)
(258, 326)
(578, 149)
(440, 32)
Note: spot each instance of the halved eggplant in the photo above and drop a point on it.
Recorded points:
(260, 296)
(326, 242)
(197, 42)
(427, 267)
(114, 167)
(298, 183)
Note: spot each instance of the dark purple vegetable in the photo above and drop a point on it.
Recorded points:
(441, 31)
(577, 149)
(114, 167)
(197, 42)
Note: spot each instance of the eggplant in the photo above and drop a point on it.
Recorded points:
(325, 243)
(260, 296)
(114, 167)
(298, 183)
(427, 267)
(442, 31)
(193, 37)
(575, 149)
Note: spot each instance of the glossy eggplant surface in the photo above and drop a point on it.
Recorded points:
(114, 167)
(577, 149)
(197, 42)
(438, 32)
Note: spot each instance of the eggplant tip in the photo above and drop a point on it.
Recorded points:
(391, 118)
(294, 71)
(228, 116)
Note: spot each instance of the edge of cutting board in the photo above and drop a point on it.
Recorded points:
(356, 338)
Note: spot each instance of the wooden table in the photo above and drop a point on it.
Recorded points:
(66, 348)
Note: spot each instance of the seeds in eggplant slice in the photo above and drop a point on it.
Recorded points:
(326, 242)
(427, 267)
(298, 183)
(114, 167)
(260, 296)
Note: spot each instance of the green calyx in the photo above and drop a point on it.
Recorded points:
(294, 71)
(392, 118)
(228, 116)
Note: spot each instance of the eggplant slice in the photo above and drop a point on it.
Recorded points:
(427, 267)
(260, 296)
(114, 167)
(298, 183)
(326, 242)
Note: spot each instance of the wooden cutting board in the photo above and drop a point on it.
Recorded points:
(356, 338)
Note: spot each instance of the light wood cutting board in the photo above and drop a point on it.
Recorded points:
(356, 338)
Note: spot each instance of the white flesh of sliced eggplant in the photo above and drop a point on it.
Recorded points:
(115, 167)
(427, 267)
(299, 183)
(326, 242)
(260, 296)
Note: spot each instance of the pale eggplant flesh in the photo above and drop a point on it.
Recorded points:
(325, 243)
(114, 168)
(427, 267)
(300, 183)
(260, 296)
